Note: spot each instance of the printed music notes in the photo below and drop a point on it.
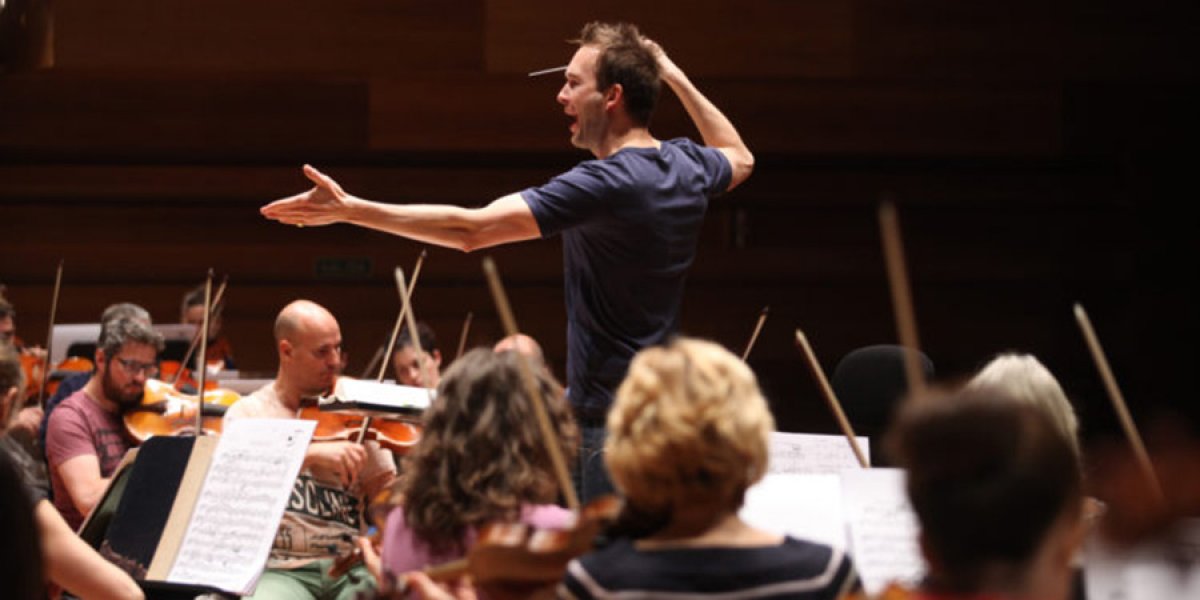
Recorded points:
(812, 453)
(235, 516)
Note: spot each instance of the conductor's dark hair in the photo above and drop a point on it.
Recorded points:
(624, 59)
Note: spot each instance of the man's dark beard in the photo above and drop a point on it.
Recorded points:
(115, 394)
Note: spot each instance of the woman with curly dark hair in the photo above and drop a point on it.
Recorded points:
(481, 458)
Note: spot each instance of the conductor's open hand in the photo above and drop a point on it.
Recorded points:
(325, 203)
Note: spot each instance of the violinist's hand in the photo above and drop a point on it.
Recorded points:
(344, 459)
(370, 558)
(424, 587)
(326, 203)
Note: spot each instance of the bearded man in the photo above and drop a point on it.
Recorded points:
(86, 438)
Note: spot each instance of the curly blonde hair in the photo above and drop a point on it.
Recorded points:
(688, 423)
(481, 456)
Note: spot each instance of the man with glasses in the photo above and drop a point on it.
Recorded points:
(325, 512)
(86, 438)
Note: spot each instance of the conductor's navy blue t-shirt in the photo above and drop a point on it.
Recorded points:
(629, 223)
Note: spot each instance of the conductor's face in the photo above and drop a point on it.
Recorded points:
(582, 101)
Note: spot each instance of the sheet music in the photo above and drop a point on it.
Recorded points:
(241, 503)
(813, 453)
(883, 528)
(804, 506)
(383, 394)
(1166, 568)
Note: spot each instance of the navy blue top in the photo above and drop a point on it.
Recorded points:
(795, 569)
(629, 223)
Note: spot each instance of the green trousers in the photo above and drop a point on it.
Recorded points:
(312, 581)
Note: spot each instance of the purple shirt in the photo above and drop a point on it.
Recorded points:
(80, 426)
(403, 552)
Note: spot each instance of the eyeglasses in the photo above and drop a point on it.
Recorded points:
(134, 367)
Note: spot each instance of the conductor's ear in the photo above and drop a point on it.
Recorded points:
(613, 96)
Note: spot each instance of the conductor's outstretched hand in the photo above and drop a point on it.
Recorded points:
(325, 203)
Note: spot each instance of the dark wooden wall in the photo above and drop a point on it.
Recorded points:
(1039, 151)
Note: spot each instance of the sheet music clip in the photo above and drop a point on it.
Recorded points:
(369, 398)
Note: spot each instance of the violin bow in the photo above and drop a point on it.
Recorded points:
(405, 299)
(762, 319)
(531, 387)
(1118, 402)
(831, 398)
(371, 364)
(423, 362)
(906, 322)
(217, 298)
(208, 305)
(50, 335)
(462, 337)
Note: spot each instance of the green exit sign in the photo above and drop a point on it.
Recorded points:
(336, 267)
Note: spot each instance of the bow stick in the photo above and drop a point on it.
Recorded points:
(830, 398)
(906, 322)
(531, 387)
(1118, 401)
(208, 305)
(216, 302)
(462, 337)
(405, 299)
(762, 318)
(50, 334)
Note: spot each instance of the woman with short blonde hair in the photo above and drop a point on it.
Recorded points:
(687, 435)
(1024, 379)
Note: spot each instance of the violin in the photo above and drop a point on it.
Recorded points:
(392, 434)
(33, 364)
(181, 377)
(514, 560)
(167, 411)
(515, 555)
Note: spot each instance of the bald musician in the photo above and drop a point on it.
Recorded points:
(521, 344)
(326, 507)
(630, 219)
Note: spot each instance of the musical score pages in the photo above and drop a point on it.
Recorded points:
(238, 507)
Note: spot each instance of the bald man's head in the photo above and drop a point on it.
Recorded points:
(300, 314)
(310, 347)
(521, 344)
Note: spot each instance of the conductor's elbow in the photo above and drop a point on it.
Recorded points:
(742, 166)
(471, 241)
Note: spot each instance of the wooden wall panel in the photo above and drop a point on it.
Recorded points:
(233, 36)
(865, 117)
(1033, 148)
(830, 117)
(489, 114)
(118, 115)
(708, 38)
(404, 180)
